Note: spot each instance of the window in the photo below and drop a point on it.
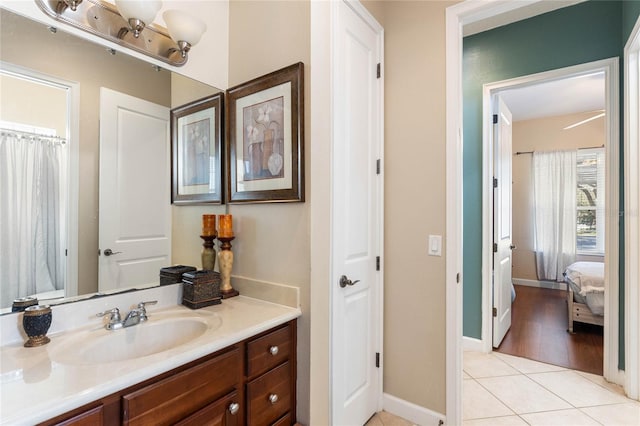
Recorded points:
(590, 201)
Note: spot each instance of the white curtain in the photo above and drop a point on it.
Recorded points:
(31, 258)
(554, 187)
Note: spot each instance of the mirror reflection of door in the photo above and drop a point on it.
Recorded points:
(135, 215)
(34, 158)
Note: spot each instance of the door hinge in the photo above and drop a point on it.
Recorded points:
(458, 278)
(495, 247)
(378, 359)
(495, 182)
(495, 118)
(66, 252)
(378, 70)
(378, 166)
(377, 263)
(495, 312)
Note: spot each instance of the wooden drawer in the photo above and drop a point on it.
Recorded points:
(268, 351)
(91, 417)
(170, 400)
(219, 413)
(284, 421)
(261, 410)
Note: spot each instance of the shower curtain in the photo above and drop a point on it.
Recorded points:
(554, 187)
(31, 249)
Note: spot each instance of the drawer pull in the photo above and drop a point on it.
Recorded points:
(234, 407)
(273, 350)
(273, 398)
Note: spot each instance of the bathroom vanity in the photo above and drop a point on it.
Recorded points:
(240, 370)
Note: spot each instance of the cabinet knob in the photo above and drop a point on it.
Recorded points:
(273, 398)
(273, 350)
(234, 407)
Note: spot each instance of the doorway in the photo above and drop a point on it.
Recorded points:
(39, 150)
(459, 17)
(599, 74)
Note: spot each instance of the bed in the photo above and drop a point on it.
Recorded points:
(585, 293)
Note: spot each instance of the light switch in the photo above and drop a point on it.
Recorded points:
(435, 245)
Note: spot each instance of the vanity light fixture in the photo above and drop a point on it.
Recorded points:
(129, 24)
(185, 29)
(138, 13)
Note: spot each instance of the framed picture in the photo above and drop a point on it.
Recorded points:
(196, 151)
(265, 151)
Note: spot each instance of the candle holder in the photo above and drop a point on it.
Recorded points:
(208, 252)
(226, 264)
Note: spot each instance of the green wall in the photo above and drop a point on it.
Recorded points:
(582, 33)
(630, 13)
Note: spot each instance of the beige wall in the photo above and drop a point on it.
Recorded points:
(272, 240)
(414, 311)
(27, 102)
(543, 134)
(31, 45)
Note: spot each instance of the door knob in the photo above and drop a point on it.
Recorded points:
(109, 252)
(344, 281)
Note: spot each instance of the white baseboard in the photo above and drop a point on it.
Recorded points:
(410, 411)
(472, 344)
(540, 284)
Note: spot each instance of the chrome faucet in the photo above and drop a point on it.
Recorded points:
(135, 316)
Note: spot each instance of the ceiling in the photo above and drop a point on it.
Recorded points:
(558, 97)
(510, 15)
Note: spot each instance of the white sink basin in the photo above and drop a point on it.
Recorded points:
(159, 334)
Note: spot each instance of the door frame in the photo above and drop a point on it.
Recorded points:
(456, 18)
(71, 183)
(612, 167)
(632, 204)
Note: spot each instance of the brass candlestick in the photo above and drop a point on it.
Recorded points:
(208, 252)
(226, 264)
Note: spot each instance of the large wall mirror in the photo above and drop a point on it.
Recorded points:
(40, 67)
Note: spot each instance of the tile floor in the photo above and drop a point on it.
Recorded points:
(500, 389)
(383, 418)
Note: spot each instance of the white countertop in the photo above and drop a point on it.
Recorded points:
(36, 386)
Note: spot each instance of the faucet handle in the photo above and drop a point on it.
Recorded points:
(142, 309)
(115, 314)
(115, 321)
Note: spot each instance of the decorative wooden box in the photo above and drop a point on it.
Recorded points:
(173, 274)
(201, 288)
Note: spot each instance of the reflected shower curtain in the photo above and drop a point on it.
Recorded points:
(31, 258)
(554, 187)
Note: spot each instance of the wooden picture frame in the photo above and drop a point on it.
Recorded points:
(265, 143)
(197, 151)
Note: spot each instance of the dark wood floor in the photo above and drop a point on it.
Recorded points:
(539, 332)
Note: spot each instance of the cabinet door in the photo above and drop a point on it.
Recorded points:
(224, 412)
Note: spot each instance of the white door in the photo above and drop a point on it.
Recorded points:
(135, 200)
(502, 223)
(356, 220)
